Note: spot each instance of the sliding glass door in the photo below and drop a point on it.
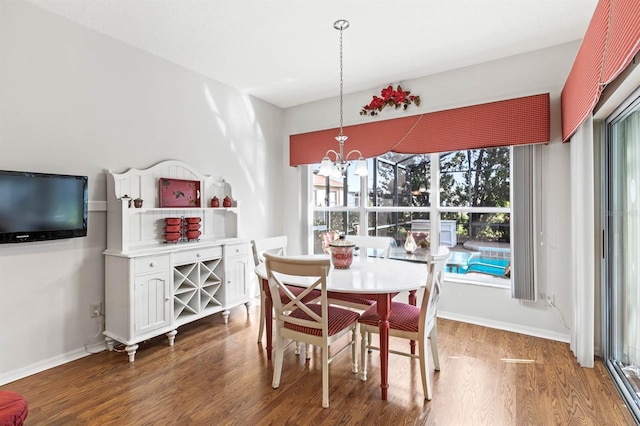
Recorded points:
(621, 336)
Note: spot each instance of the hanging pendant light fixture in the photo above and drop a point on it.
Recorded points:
(339, 166)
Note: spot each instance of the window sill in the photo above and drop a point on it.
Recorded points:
(478, 279)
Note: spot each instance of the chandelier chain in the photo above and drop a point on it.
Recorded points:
(341, 80)
(328, 167)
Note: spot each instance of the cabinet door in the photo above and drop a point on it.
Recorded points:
(152, 308)
(236, 279)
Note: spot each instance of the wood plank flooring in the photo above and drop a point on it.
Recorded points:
(217, 374)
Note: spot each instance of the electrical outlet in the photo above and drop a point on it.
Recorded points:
(550, 300)
(95, 309)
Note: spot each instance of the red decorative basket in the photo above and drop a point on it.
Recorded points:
(172, 236)
(193, 235)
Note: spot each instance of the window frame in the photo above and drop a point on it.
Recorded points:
(434, 210)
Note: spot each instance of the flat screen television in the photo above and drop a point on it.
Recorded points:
(42, 206)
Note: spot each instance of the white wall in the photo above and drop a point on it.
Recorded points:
(533, 73)
(75, 101)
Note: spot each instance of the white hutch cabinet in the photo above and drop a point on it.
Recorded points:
(153, 286)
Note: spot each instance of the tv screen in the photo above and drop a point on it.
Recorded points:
(42, 206)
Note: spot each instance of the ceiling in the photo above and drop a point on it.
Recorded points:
(286, 52)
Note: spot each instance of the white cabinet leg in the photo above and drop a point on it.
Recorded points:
(225, 315)
(248, 306)
(131, 351)
(171, 336)
(111, 344)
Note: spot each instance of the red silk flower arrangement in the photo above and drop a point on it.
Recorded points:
(390, 97)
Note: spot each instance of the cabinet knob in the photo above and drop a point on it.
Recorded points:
(152, 264)
(197, 254)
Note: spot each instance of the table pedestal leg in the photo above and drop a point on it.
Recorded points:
(268, 317)
(412, 301)
(384, 309)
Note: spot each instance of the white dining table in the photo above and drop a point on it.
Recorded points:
(376, 278)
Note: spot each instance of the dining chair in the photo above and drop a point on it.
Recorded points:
(278, 246)
(317, 324)
(406, 321)
(363, 243)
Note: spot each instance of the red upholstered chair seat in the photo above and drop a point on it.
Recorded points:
(338, 319)
(351, 298)
(403, 317)
(13, 409)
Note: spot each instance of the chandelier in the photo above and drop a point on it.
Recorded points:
(340, 164)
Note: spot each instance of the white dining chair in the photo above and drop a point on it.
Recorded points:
(410, 322)
(363, 243)
(275, 245)
(317, 324)
(278, 246)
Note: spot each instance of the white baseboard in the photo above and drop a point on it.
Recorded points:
(21, 373)
(529, 331)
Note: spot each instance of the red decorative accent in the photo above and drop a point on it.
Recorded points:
(193, 235)
(172, 236)
(508, 122)
(179, 193)
(215, 202)
(13, 408)
(610, 43)
(226, 202)
(390, 97)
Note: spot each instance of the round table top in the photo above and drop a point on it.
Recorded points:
(368, 275)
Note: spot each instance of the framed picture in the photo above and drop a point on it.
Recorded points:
(179, 193)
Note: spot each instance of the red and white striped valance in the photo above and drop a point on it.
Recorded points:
(508, 122)
(610, 43)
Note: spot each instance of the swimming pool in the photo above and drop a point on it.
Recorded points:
(484, 265)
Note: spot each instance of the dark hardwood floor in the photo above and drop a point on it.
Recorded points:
(217, 374)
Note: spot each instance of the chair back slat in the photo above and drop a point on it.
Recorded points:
(428, 309)
(365, 242)
(273, 245)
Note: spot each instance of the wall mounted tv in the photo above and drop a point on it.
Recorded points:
(42, 206)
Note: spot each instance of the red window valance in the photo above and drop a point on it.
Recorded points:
(508, 122)
(610, 43)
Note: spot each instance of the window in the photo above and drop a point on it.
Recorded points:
(473, 203)
(621, 177)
